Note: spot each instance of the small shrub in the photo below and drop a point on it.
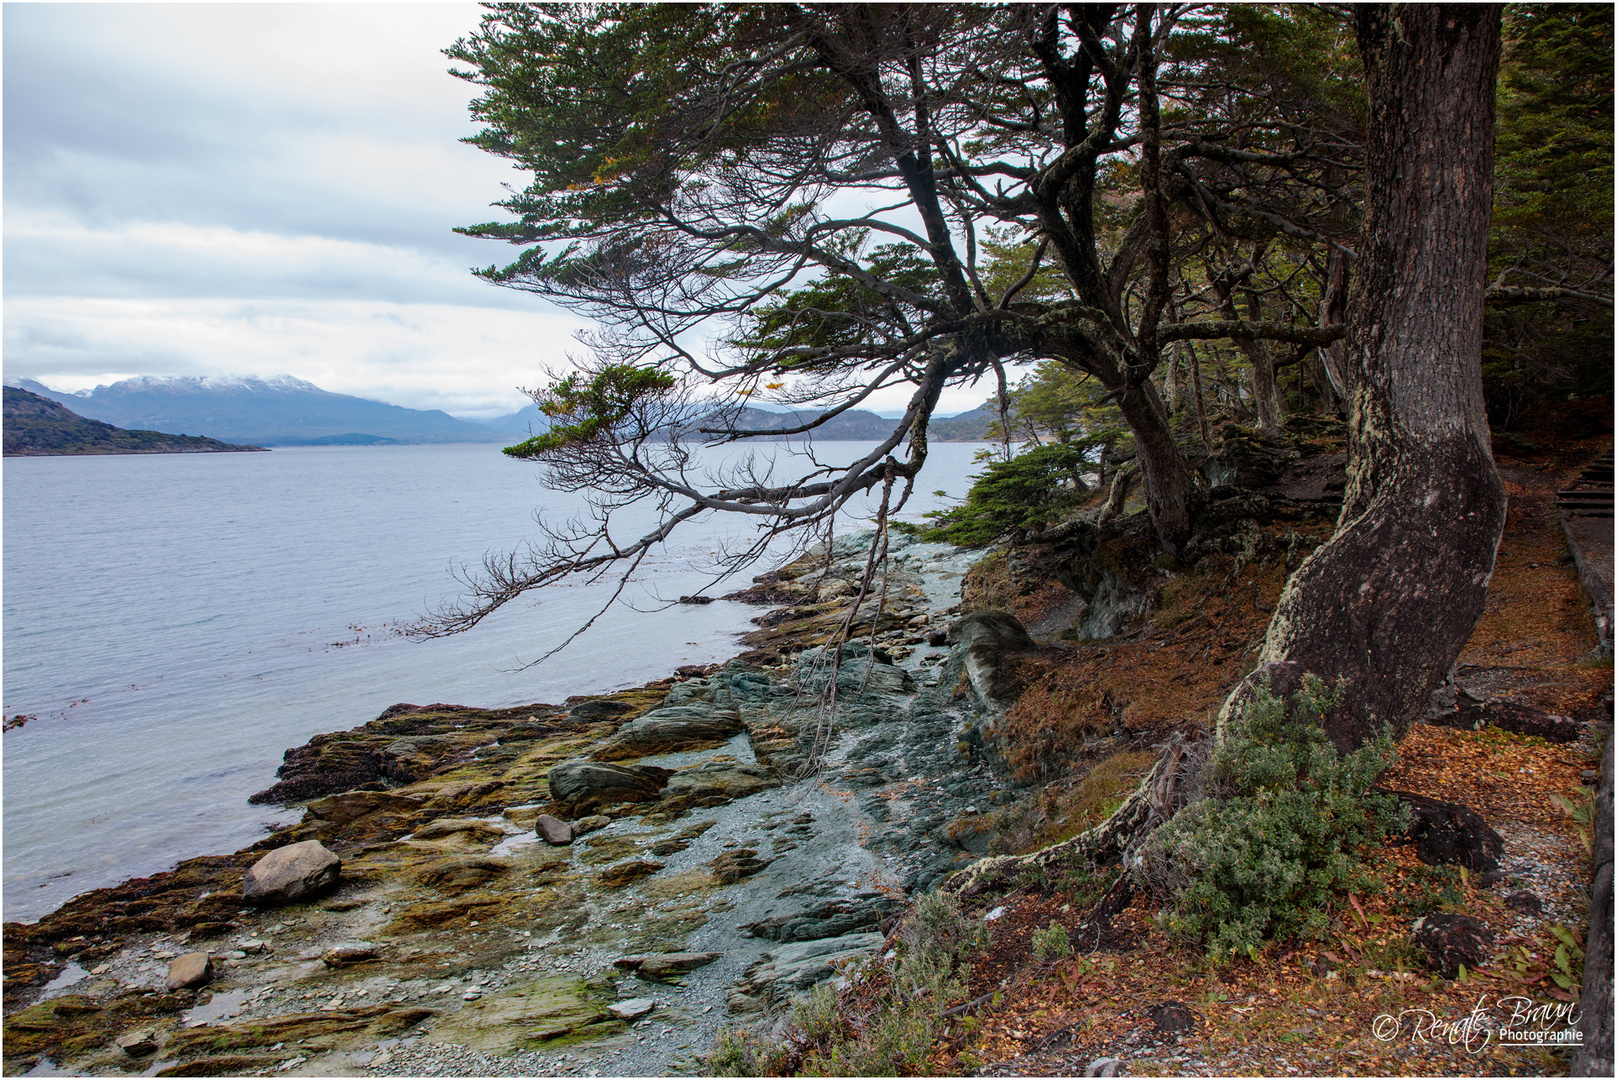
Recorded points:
(739, 1053)
(885, 1023)
(1051, 943)
(1278, 832)
(1431, 889)
(1579, 808)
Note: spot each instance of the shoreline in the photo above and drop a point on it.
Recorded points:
(432, 811)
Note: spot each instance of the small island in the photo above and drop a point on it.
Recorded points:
(36, 426)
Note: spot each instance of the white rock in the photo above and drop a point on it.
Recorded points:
(632, 1009)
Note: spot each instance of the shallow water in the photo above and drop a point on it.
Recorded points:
(173, 623)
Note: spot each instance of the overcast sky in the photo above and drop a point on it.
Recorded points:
(236, 189)
(201, 189)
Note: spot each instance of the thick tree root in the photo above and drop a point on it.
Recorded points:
(1453, 707)
(1172, 783)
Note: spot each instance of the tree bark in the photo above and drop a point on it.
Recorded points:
(1388, 602)
(1170, 494)
(1594, 1057)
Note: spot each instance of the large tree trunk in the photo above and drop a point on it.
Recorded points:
(1388, 602)
(1170, 493)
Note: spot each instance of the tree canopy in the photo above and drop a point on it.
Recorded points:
(813, 203)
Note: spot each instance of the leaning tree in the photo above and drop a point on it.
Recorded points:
(821, 202)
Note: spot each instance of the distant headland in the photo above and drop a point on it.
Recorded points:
(36, 426)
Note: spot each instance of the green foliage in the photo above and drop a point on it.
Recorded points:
(837, 311)
(1054, 402)
(1279, 832)
(1579, 807)
(1552, 219)
(1568, 959)
(584, 409)
(1023, 493)
(1051, 943)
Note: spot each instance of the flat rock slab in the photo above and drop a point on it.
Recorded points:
(525, 1016)
(189, 971)
(733, 866)
(340, 1028)
(465, 829)
(722, 779)
(578, 781)
(139, 1043)
(676, 728)
(615, 877)
(666, 965)
(792, 969)
(295, 872)
(350, 952)
(353, 805)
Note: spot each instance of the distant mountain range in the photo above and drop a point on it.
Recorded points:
(37, 426)
(283, 411)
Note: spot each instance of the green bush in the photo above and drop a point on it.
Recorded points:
(1278, 832)
(1021, 494)
(1051, 943)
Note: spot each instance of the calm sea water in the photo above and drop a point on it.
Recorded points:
(175, 622)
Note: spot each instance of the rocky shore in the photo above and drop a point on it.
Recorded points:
(592, 887)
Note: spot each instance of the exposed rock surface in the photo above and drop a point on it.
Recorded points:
(350, 952)
(990, 640)
(553, 830)
(663, 731)
(139, 1043)
(663, 966)
(776, 976)
(1446, 833)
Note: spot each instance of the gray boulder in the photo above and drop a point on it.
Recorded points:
(350, 952)
(556, 832)
(578, 782)
(294, 872)
(663, 966)
(990, 639)
(722, 779)
(632, 1009)
(669, 730)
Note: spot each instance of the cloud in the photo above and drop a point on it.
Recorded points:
(469, 362)
(262, 189)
